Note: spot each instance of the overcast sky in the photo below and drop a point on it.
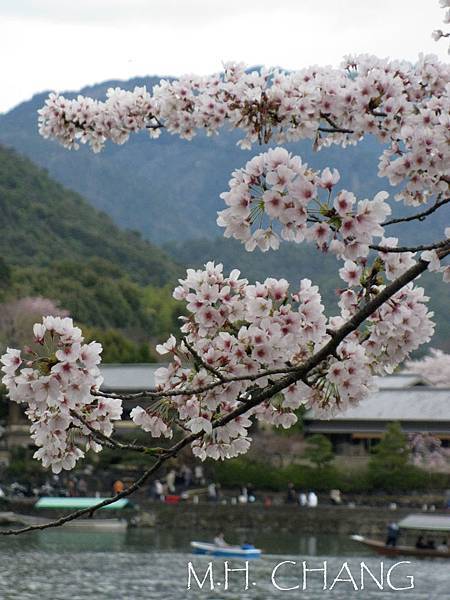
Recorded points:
(66, 44)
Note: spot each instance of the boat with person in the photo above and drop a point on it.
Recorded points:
(426, 523)
(244, 551)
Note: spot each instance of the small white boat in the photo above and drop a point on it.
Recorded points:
(245, 551)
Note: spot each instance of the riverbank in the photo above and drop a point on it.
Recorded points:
(209, 517)
(329, 520)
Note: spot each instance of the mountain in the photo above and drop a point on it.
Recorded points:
(43, 222)
(168, 189)
(56, 245)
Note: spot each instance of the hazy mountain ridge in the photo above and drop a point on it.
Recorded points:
(56, 245)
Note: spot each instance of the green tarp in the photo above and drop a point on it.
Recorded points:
(426, 522)
(76, 503)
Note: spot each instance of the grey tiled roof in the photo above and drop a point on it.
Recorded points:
(401, 380)
(130, 378)
(405, 404)
(138, 377)
(399, 398)
(426, 522)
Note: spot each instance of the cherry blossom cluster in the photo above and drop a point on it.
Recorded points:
(427, 451)
(240, 336)
(55, 379)
(396, 263)
(235, 330)
(276, 191)
(398, 327)
(435, 368)
(404, 106)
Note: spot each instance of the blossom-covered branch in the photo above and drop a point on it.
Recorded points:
(403, 105)
(294, 382)
(259, 350)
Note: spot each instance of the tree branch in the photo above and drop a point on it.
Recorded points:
(420, 216)
(156, 394)
(101, 438)
(442, 244)
(200, 361)
(297, 374)
(334, 127)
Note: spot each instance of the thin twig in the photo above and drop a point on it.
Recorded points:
(435, 246)
(153, 393)
(420, 216)
(111, 442)
(334, 128)
(204, 364)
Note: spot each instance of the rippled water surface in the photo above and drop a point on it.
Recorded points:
(145, 565)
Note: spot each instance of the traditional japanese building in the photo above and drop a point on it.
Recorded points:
(407, 399)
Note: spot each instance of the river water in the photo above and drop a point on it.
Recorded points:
(145, 565)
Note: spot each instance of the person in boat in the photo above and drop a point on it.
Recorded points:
(247, 546)
(393, 531)
(431, 544)
(443, 546)
(420, 543)
(219, 540)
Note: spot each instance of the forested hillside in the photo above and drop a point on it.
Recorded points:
(57, 246)
(43, 222)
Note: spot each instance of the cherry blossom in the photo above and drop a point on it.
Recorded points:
(281, 195)
(55, 380)
(427, 451)
(399, 327)
(404, 106)
(435, 367)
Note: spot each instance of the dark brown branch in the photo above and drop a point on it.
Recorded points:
(334, 127)
(386, 249)
(111, 442)
(153, 393)
(419, 216)
(257, 397)
(334, 130)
